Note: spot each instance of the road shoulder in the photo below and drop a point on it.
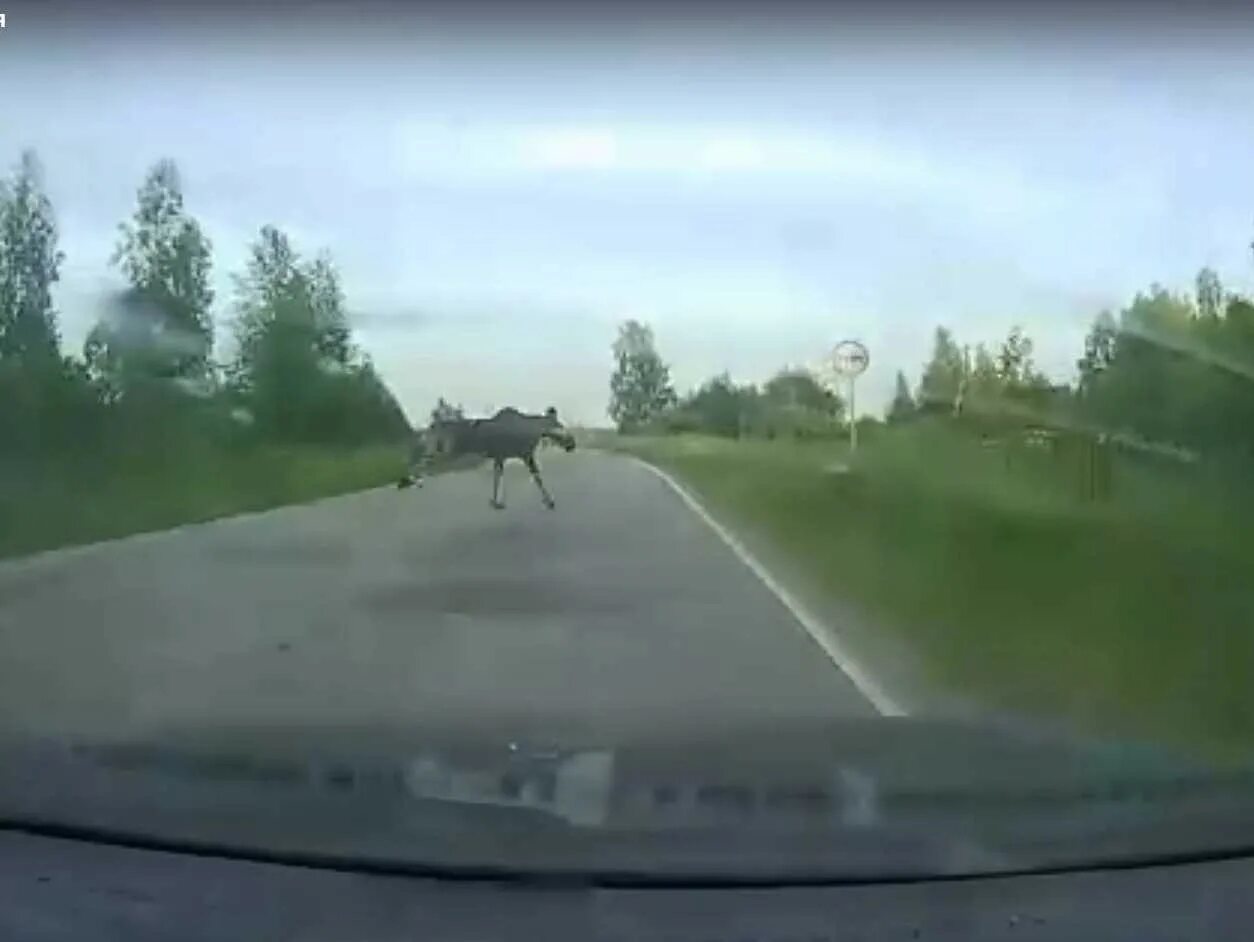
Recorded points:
(879, 664)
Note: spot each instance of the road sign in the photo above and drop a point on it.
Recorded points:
(849, 360)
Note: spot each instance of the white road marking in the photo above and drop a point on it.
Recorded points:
(824, 637)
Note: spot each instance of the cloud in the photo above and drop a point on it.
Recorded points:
(575, 148)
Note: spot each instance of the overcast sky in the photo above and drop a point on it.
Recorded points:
(500, 193)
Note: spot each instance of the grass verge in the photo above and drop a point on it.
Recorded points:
(1130, 617)
(60, 505)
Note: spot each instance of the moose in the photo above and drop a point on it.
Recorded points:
(507, 434)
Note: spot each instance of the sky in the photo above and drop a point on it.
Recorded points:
(501, 189)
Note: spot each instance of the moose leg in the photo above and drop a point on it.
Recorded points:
(415, 472)
(535, 476)
(418, 460)
(498, 484)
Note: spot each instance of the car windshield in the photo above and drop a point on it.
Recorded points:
(705, 438)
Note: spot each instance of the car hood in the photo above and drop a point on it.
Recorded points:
(859, 799)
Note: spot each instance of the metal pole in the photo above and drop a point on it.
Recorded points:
(853, 420)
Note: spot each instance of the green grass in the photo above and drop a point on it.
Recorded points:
(63, 504)
(1131, 617)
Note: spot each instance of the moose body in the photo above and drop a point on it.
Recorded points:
(507, 434)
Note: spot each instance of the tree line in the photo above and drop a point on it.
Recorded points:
(793, 402)
(1171, 369)
(146, 378)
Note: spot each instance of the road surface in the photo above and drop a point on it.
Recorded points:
(620, 615)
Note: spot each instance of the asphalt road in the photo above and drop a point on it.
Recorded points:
(618, 616)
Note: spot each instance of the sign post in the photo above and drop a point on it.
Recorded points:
(850, 359)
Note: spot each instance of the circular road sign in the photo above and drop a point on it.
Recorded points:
(850, 358)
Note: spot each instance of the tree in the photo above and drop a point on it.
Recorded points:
(295, 364)
(988, 375)
(1014, 359)
(793, 401)
(327, 310)
(942, 379)
(445, 411)
(30, 264)
(279, 296)
(902, 406)
(1210, 295)
(640, 387)
(278, 350)
(721, 407)
(40, 402)
(1154, 373)
(354, 407)
(271, 292)
(163, 327)
(799, 389)
(1099, 352)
